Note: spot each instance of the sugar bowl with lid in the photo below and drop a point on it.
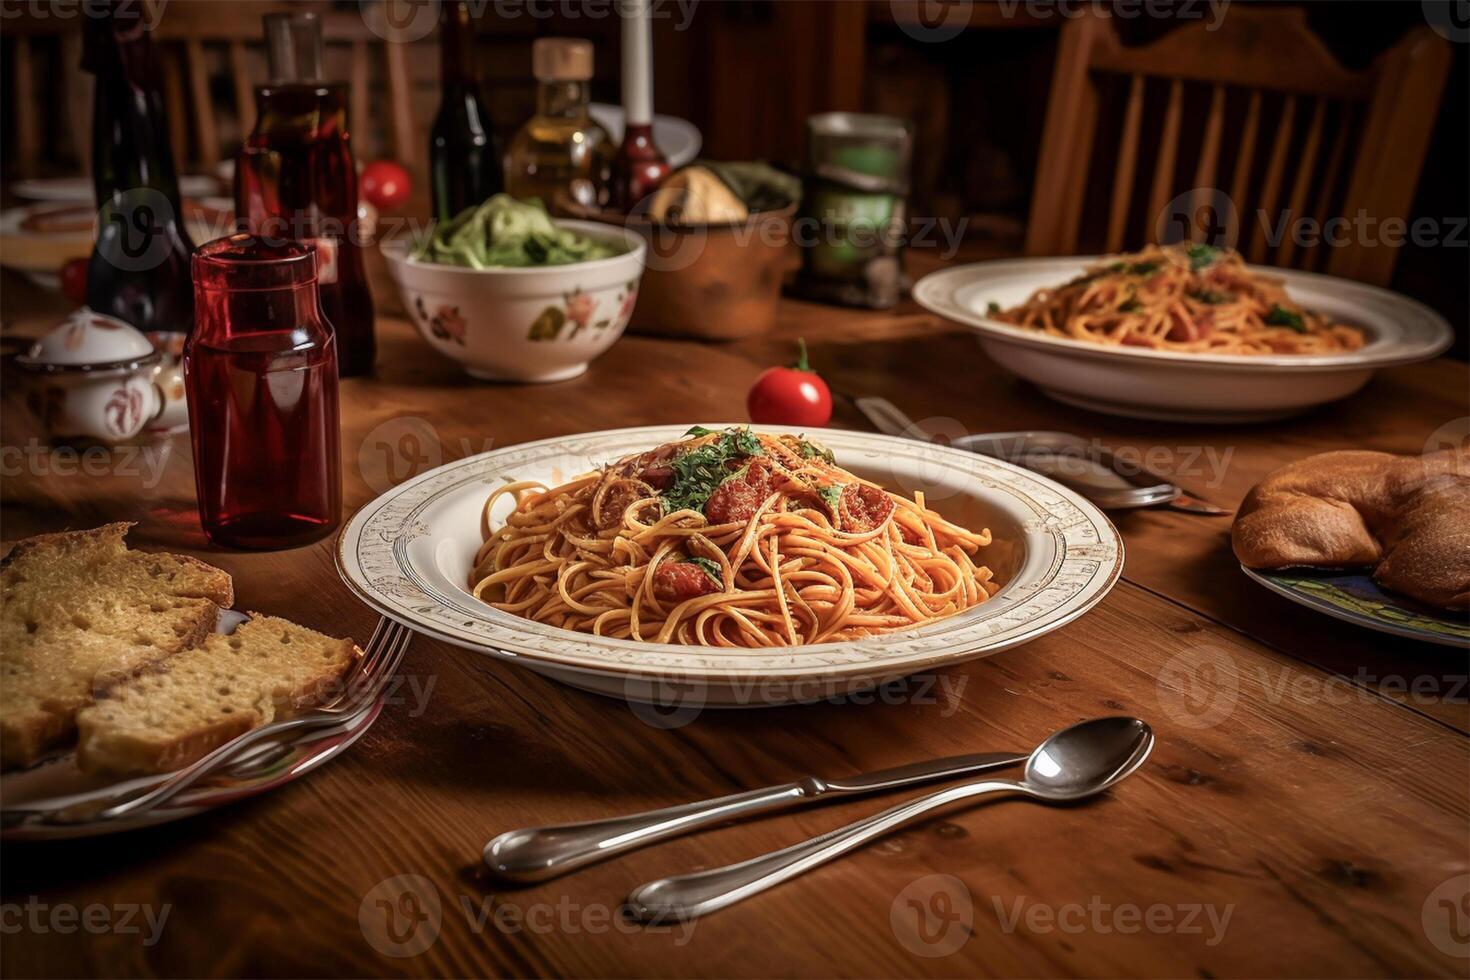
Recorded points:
(96, 377)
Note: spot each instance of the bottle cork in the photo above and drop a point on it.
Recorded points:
(561, 59)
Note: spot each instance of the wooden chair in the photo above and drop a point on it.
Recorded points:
(197, 42)
(235, 28)
(1300, 138)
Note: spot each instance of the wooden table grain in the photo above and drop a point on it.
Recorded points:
(1306, 811)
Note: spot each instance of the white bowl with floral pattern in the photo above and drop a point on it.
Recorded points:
(536, 324)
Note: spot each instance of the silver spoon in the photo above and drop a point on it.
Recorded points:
(1070, 765)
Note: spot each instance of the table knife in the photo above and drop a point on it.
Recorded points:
(540, 853)
(1088, 469)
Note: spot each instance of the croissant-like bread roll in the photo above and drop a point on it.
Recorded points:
(1407, 517)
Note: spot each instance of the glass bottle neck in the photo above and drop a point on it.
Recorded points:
(306, 109)
(130, 143)
(458, 65)
(260, 319)
(562, 100)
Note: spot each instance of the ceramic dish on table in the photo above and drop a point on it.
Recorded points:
(1353, 597)
(1191, 387)
(679, 139)
(409, 554)
(38, 239)
(82, 189)
(527, 323)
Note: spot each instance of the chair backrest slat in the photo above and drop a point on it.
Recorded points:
(206, 140)
(1400, 118)
(403, 141)
(1244, 161)
(1296, 204)
(1047, 228)
(1275, 174)
(358, 94)
(1331, 176)
(1127, 165)
(1209, 154)
(27, 121)
(1168, 150)
(1075, 194)
(175, 105)
(244, 89)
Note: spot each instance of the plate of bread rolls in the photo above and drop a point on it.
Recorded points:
(1375, 539)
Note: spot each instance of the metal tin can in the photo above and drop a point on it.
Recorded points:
(854, 209)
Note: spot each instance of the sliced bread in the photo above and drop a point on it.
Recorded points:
(79, 611)
(179, 709)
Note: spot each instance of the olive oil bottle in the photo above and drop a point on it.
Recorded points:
(561, 155)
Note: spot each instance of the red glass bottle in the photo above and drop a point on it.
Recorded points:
(639, 166)
(295, 179)
(260, 369)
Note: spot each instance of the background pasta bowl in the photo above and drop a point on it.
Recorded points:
(1144, 383)
(409, 554)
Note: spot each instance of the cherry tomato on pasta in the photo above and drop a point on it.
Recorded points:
(794, 395)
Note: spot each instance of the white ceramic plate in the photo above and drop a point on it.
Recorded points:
(408, 554)
(57, 781)
(678, 138)
(1154, 384)
(41, 254)
(1353, 597)
(80, 189)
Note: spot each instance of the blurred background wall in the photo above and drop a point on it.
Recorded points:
(974, 78)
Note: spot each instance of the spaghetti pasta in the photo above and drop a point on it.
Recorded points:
(1181, 298)
(732, 539)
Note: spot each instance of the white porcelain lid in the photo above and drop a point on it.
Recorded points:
(89, 339)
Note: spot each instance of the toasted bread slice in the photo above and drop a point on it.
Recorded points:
(182, 708)
(79, 611)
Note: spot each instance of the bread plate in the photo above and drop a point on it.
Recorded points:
(1215, 388)
(408, 554)
(1353, 597)
(56, 783)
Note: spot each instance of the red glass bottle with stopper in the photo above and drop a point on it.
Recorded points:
(640, 165)
(260, 369)
(295, 178)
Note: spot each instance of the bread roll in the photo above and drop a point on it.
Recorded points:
(1406, 517)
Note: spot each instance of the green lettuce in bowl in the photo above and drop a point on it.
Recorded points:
(506, 233)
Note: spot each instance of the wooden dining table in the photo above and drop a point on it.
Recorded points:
(1305, 811)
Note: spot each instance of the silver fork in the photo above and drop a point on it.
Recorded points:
(380, 660)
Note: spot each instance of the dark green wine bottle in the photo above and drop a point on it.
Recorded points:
(464, 162)
(139, 271)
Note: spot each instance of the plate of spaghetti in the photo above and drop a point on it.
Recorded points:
(1185, 331)
(730, 565)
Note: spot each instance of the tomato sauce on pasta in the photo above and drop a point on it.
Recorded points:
(734, 539)
(1183, 297)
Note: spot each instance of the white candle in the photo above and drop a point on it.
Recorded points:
(637, 62)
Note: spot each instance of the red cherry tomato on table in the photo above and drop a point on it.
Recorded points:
(385, 184)
(74, 281)
(793, 395)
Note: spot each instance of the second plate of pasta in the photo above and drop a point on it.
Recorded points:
(1183, 333)
(729, 565)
